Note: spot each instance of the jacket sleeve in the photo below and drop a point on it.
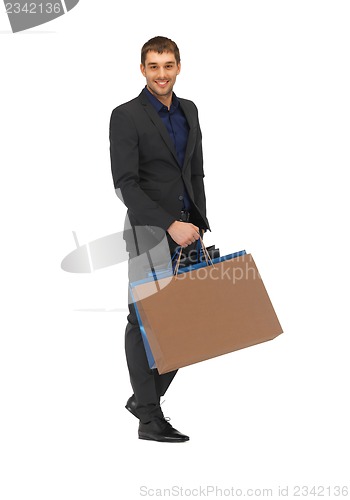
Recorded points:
(124, 152)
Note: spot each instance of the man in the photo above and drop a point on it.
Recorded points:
(157, 168)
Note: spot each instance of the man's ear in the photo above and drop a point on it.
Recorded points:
(142, 68)
(178, 68)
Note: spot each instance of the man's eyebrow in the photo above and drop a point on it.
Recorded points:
(155, 64)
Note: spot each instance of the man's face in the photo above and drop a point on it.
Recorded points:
(160, 71)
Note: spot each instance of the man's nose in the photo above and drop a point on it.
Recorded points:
(161, 72)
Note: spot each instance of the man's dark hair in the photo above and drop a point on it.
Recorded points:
(160, 44)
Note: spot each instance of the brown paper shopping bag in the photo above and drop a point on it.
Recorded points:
(206, 312)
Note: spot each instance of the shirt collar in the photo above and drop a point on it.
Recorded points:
(159, 105)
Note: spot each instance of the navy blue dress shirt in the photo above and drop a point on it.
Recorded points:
(176, 124)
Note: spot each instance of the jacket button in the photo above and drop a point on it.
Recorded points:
(181, 197)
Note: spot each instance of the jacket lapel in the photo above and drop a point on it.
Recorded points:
(157, 121)
(192, 134)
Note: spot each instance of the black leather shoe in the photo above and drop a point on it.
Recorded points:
(131, 405)
(159, 429)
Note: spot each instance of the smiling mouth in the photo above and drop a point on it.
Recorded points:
(162, 83)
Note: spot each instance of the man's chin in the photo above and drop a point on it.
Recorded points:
(161, 92)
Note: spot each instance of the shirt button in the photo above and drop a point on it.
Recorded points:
(181, 197)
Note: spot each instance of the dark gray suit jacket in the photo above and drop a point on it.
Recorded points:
(146, 174)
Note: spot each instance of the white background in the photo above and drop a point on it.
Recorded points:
(271, 80)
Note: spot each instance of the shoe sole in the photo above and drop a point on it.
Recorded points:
(148, 438)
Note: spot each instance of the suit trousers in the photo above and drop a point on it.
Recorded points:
(148, 385)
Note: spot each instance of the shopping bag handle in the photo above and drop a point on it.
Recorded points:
(205, 253)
